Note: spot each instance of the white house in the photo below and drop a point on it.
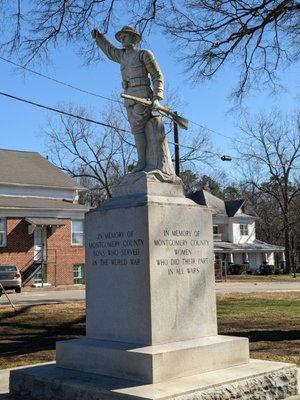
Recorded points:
(234, 234)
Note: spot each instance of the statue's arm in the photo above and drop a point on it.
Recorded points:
(112, 52)
(155, 73)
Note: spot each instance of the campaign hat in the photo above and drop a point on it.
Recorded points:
(130, 30)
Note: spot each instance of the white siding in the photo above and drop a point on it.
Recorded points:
(235, 235)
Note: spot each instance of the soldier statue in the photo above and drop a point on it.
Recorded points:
(142, 78)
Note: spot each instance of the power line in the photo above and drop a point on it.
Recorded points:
(63, 112)
(88, 119)
(96, 94)
(108, 125)
(60, 82)
(211, 130)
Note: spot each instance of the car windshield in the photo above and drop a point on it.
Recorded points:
(7, 268)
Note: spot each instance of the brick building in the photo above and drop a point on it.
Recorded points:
(41, 222)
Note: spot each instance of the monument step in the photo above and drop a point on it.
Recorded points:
(152, 364)
(254, 380)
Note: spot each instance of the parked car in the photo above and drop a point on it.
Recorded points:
(10, 278)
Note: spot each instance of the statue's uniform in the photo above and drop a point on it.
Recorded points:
(136, 66)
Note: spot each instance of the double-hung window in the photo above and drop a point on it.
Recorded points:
(244, 230)
(77, 232)
(3, 234)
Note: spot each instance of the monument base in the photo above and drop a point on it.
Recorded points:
(263, 380)
(152, 364)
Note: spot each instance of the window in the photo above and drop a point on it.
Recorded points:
(79, 274)
(2, 232)
(77, 231)
(244, 229)
(215, 229)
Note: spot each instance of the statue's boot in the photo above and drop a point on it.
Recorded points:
(140, 144)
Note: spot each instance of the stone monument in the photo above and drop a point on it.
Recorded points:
(151, 330)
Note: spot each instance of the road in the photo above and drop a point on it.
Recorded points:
(46, 297)
(67, 296)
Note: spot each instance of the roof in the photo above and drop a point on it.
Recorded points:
(257, 245)
(31, 169)
(219, 207)
(11, 202)
(204, 198)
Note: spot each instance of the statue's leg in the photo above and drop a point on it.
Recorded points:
(140, 144)
(138, 115)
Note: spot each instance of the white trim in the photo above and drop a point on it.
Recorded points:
(44, 186)
(81, 232)
(4, 232)
(45, 193)
(38, 213)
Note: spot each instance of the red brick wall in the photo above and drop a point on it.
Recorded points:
(61, 254)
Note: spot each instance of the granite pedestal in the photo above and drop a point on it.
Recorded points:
(151, 307)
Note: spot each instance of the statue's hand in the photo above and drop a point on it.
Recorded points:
(155, 101)
(95, 33)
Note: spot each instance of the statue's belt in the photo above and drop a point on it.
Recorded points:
(135, 82)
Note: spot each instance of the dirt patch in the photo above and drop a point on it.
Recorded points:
(29, 335)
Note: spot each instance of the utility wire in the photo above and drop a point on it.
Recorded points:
(63, 112)
(117, 129)
(60, 82)
(97, 95)
(87, 119)
(216, 132)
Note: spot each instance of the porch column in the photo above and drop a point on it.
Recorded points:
(266, 258)
(230, 258)
(246, 258)
(282, 261)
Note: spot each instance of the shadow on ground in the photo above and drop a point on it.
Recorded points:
(266, 335)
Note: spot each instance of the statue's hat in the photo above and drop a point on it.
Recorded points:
(129, 29)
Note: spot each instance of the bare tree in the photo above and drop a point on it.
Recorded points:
(97, 157)
(272, 166)
(258, 36)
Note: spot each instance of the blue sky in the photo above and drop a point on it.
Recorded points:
(205, 103)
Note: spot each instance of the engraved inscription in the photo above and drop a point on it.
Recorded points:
(182, 249)
(118, 248)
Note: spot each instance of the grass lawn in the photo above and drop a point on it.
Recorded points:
(271, 321)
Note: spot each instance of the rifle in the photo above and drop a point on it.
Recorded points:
(180, 121)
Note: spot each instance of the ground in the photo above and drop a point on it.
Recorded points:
(269, 320)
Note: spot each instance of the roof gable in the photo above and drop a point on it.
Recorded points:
(31, 169)
(232, 206)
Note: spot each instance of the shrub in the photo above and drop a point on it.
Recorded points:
(237, 269)
(266, 269)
